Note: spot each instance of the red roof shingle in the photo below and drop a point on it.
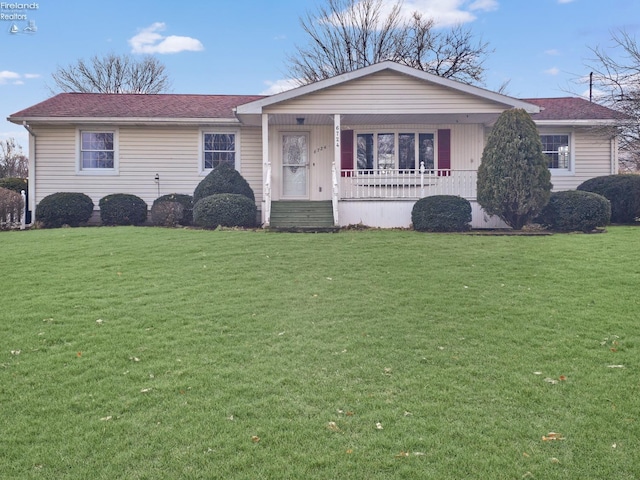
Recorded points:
(105, 105)
(571, 108)
(177, 106)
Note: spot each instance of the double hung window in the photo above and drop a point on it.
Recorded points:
(218, 148)
(558, 151)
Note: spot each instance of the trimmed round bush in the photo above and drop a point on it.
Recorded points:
(575, 210)
(441, 213)
(185, 217)
(223, 179)
(64, 208)
(623, 191)
(14, 184)
(226, 210)
(122, 209)
(167, 213)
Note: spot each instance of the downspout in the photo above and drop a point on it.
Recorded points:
(614, 155)
(32, 172)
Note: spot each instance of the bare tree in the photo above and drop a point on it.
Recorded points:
(113, 74)
(345, 35)
(616, 80)
(13, 163)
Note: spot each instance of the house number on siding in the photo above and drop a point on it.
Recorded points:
(337, 137)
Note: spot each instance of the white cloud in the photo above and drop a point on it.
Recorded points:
(280, 86)
(15, 78)
(552, 71)
(148, 40)
(445, 13)
(565, 1)
(553, 52)
(7, 76)
(449, 12)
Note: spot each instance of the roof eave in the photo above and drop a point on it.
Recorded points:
(577, 122)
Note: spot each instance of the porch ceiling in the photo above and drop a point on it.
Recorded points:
(372, 119)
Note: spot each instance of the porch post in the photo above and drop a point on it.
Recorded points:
(266, 172)
(335, 168)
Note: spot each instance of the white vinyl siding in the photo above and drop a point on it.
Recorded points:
(591, 157)
(144, 151)
(390, 92)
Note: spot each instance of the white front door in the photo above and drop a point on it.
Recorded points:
(295, 165)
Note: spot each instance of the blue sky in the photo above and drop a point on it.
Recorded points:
(241, 46)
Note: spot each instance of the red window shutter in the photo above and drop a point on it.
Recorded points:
(346, 153)
(444, 152)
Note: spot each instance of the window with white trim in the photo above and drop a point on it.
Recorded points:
(558, 150)
(97, 150)
(401, 150)
(218, 148)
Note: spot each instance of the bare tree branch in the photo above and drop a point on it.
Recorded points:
(616, 80)
(345, 35)
(13, 163)
(112, 74)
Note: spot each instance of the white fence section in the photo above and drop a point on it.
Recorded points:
(406, 184)
(13, 213)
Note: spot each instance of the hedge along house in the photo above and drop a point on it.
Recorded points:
(359, 148)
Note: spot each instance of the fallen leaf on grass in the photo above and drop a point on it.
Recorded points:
(562, 378)
(349, 451)
(402, 454)
(15, 352)
(104, 419)
(551, 381)
(79, 354)
(99, 321)
(145, 390)
(551, 436)
(378, 425)
(333, 427)
(134, 359)
(554, 460)
(255, 439)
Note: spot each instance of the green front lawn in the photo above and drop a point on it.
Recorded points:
(157, 353)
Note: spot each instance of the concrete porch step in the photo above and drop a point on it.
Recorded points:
(302, 215)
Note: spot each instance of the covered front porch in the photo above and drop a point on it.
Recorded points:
(374, 141)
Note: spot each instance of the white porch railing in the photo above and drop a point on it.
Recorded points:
(409, 184)
(335, 192)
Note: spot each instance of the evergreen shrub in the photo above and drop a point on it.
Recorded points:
(122, 209)
(623, 191)
(172, 214)
(575, 210)
(223, 179)
(226, 210)
(64, 208)
(441, 213)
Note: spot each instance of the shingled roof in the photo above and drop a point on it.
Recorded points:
(571, 108)
(220, 107)
(105, 105)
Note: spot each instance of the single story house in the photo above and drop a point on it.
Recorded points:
(359, 148)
